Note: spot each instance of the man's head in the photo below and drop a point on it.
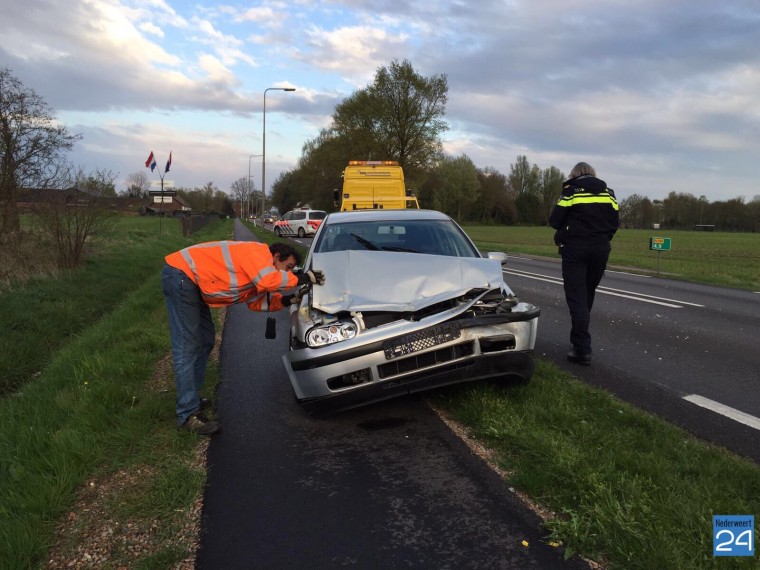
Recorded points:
(284, 256)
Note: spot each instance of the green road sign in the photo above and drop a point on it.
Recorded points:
(659, 243)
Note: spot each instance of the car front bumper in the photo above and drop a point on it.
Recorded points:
(415, 358)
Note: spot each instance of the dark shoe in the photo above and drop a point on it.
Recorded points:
(583, 359)
(205, 404)
(201, 425)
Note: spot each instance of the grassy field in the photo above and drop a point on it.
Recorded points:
(727, 259)
(92, 398)
(96, 400)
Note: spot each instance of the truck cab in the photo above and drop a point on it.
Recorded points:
(374, 185)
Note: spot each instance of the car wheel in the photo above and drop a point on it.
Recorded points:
(301, 233)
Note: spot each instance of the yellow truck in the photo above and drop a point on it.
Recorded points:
(374, 184)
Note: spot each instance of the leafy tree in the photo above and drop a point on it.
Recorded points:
(732, 215)
(631, 211)
(754, 214)
(496, 203)
(398, 117)
(317, 176)
(520, 179)
(550, 188)
(459, 188)
(32, 147)
(208, 199)
(99, 184)
(524, 181)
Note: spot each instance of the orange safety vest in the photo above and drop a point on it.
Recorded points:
(229, 272)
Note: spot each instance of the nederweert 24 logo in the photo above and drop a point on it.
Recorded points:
(733, 535)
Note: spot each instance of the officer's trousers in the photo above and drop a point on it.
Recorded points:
(582, 270)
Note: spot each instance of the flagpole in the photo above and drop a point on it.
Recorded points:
(151, 163)
(161, 209)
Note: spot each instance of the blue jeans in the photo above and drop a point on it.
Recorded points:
(192, 334)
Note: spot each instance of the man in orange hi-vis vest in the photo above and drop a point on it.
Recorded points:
(217, 274)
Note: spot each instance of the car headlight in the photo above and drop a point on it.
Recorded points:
(332, 333)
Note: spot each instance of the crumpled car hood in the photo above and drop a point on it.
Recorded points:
(392, 281)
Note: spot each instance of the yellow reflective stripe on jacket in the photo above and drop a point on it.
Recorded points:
(587, 198)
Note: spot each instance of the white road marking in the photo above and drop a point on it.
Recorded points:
(724, 410)
(664, 301)
(652, 296)
(629, 273)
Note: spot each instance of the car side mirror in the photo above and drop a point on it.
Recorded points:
(499, 256)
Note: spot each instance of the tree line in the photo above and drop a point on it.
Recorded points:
(400, 116)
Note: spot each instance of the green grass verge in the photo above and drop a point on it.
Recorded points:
(40, 316)
(628, 489)
(88, 409)
(716, 258)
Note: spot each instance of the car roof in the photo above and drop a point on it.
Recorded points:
(383, 215)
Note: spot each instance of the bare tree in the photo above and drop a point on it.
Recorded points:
(241, 193)
(138, 185)
(75, 215)
(32, 147)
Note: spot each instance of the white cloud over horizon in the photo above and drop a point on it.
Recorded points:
(659, 97)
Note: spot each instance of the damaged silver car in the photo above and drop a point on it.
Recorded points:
(409, 304)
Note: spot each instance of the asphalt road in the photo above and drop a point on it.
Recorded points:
(684, 351)
(387, 486)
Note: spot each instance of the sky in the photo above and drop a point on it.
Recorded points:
(659, 96)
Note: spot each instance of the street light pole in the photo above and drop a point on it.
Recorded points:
(264, 146)
(250, 190)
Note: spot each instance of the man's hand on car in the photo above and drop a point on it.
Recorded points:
(313, 276)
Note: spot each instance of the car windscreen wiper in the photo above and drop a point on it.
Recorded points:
(365, 242)
(397, 248)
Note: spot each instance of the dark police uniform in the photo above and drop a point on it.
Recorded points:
(585, 217)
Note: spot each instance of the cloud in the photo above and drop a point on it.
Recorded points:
(658, 94)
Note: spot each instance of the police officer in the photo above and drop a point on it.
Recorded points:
(586, 218)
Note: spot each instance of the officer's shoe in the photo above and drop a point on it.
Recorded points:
(201, 425)
(205, 404)
(577, 358)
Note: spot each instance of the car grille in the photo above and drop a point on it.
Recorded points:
(421, 340)
(425, 360)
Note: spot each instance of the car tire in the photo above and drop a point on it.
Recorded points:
(301, 233)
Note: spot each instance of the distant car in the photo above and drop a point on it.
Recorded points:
(268, 219)
(301, 222)
(408, 304)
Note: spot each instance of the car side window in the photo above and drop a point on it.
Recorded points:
(299, 215)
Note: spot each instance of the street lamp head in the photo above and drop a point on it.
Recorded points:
(288, 88)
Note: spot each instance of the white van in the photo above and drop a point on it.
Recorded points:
(300, 222)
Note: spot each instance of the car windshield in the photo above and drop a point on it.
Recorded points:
(435, 237)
